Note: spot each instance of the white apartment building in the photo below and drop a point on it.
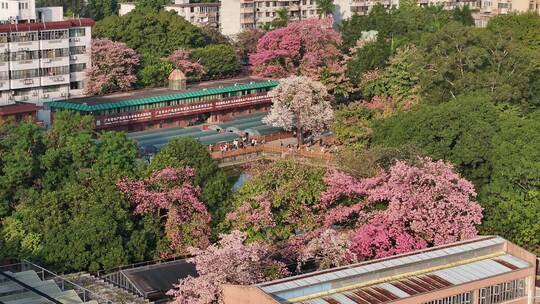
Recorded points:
(490, 8)
(42, 56)
(237, 15)
(200, 14)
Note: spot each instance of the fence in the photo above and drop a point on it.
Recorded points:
(251, 153)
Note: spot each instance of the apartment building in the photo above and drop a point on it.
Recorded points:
(42, 56)
(485, 270)
(490, 8)
(237, 15)
(200, 14)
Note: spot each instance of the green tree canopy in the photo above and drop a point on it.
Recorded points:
(459, 131)
(218, 60)
(151, 32)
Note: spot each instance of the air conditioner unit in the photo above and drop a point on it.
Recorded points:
(25, 98)
(48, 60)
(64, 94)
(45, 95)
(73, 57)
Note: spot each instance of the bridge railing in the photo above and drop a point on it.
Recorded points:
(283, 152)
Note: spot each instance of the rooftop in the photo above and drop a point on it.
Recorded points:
(400, 277)
(41, 26)
(144, 96)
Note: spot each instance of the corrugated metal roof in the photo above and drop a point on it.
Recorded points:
(150, 100)
(444, 266)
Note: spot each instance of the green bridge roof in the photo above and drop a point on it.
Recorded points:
(134, 102)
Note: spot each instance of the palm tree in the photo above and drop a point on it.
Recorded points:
(325, 7)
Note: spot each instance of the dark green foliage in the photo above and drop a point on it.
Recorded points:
(62, 206)
(151, 4)
(372, 56)
(511, 199)
(219, 61)
(154, 72)
(464, 15)
(459, 131)
(99, 9)
(150, 32)
(459, 60)
(523, 27)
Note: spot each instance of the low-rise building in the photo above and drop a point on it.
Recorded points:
(200, 14)
(485, 270)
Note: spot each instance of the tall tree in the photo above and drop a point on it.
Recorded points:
(99, 9)
(301, 104)
(113, 67)
(325, 8)
(187, 222)
(229, 261)
(303, 47)
(188, 152)
(459, 131)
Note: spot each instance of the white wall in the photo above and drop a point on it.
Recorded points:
(229, 19)
(53, 13)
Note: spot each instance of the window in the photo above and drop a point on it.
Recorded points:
(79, 67)
(4, 75)
(54, 53)
(503, 292)
(77, 50)
(24, 36)
(21, 74)
(50, 89)
(24, 55)
(464, 298)
(54, 71)
(52, 35)
(77, 32)
(76, 85)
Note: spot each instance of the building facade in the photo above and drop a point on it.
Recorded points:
(200, 14)
(41, 58)
(139, 110)
(485, 270)
(490, 8)
(238, 15)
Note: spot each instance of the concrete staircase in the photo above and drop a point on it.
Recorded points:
(105, 289)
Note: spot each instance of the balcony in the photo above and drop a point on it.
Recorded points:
(4, 66)
(80, 58)
(4, 47)
(54, 62)
(24, 83)
(79, 41)
(76, 76)
(24, 64)
(4, 85)
(24, 46)
(54, 44)
(54, 80)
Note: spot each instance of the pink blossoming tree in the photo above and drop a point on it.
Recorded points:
(172, 191)
(113, 67)
(330, 248)
(303, 47)
(230, 261)
(301, 104)
(406, 208)
(181, 59)
(383, 237)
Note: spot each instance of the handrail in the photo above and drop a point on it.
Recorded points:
(30, 288)
(64, 280)
(273, 149)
